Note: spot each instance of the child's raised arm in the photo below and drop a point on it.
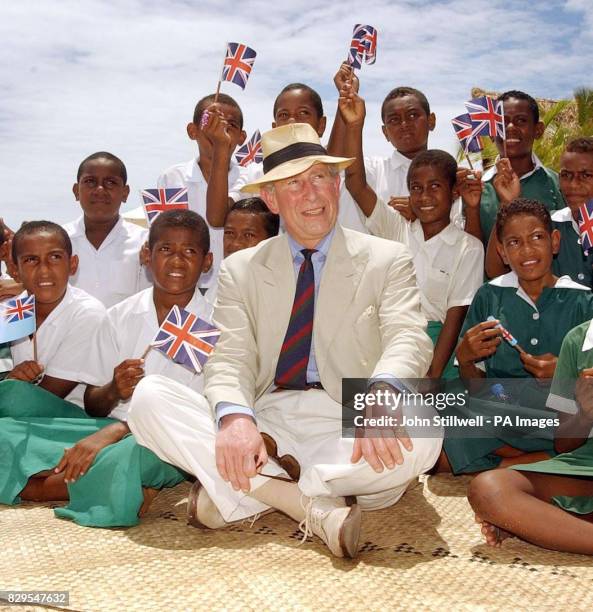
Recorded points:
(352, 109)
(217, 193)
(344, 76)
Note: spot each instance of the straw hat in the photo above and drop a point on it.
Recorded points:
(290, 150)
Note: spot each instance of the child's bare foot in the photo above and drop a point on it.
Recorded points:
(494, 535)
(148, 494)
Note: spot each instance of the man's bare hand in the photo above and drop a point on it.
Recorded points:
(240, 451)
(381, 448)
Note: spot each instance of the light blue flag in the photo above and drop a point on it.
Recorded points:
(17, 318)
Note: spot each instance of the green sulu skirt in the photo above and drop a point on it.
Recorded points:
(578, 463)
(433, 330)
(109, 494)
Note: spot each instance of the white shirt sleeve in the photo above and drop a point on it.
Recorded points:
(387, 223)
(104, 356)
(468, 276)
(72, 354)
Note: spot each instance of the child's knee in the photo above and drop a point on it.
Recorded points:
(486, 490)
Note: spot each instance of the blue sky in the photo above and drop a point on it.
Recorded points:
(78, 76)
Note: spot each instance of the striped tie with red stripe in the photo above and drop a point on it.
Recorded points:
(291, 371)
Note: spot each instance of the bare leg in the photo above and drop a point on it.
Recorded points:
(524, 458)
(50, 488)
(442, 465)
(148, 495)
(519, 502)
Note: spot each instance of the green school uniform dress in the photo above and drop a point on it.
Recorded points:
(571, 259)
(540, 184)
(37, 426)
(576, 355)
(539, 328)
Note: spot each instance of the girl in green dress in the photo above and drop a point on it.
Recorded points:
(550, 503)
(537, 308)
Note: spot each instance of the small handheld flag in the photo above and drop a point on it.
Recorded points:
(363, 46)
(17, 318)
(156, 201)
(506, 334)
(465, 132)
(585, 221)
(487, 117)
(186, 339)
(251, 151)
(238, 64)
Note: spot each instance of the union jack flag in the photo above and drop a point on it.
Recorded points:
(17, 318)
(363, 46)
(238, 63)
(506, 334)
(156, 201)
(251, 151)
(186, 339)
(585, 221)
(465, 132)
(487, 116)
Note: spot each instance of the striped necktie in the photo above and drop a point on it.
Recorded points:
(291, 371)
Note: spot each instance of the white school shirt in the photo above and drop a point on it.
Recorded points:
(449, 266)
(188, 174)
(64, 339)
(112, 272)
(128, 329)
(349, 214)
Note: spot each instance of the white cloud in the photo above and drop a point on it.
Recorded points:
(81, 76)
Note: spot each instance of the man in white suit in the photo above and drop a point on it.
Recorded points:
(298, 313)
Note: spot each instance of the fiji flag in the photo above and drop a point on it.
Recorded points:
(238, 64)
(251, 151)
(363, 46)
(156, 201)
(487, 116)
(465, 132)
(186, 339)
(17, 318)
(585, 220)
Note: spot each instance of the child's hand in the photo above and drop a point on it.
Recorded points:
(402, 205)
(469, 185)
(540, 366)
(479, 342)
(126, 376)
(77, 460)
(9, 288)
(351, 106)
(215, 129)
(27, 371)
(346, 76)
(506, 182)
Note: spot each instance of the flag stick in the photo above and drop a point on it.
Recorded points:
(35, 346)
(146, 351)
(226, 47)
(469, 161)
(504, 146)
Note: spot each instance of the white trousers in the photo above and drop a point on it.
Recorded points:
(176, 423)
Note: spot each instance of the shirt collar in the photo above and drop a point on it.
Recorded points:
(322, 247)
(398, 160)
(193, 173)
(588, 341)
(80, 229)
(67, 299)
(537, 164)
(512, 280)
(564, 215)
(145, 306)
(449, 235)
